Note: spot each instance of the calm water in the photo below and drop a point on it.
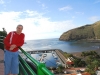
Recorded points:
(49, 60)
(63, 45)
(69, 47)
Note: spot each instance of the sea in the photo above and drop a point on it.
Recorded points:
(55, 43)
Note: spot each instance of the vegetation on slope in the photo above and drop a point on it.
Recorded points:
(2, 36)
(85, 32)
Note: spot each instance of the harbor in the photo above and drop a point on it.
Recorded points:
(51, 58)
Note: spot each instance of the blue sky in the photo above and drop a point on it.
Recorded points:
(43, 19)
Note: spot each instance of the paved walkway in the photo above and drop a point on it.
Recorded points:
(1, 62)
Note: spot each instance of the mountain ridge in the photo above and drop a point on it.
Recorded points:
(85, 32)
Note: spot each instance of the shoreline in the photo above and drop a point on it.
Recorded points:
(78, 54)
(90, 40)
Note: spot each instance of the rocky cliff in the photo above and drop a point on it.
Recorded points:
(86, 32)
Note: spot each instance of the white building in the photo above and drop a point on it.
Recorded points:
(98, 72)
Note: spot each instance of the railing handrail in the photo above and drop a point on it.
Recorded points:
(27, 66)
(22, 69)
(31, 58)
(40, 66)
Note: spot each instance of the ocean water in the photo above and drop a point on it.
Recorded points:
(69, 47)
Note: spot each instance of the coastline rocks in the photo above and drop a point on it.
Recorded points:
(86, 32)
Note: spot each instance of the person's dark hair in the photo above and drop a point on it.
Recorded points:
(19, 25)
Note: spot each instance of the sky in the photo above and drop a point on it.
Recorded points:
(44, 19)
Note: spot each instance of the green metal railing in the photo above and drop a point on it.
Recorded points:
(22, 70)
(40, 67)
(26, 66)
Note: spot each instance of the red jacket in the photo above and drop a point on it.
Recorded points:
(17, 39)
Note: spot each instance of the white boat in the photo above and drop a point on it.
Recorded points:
(44, 55)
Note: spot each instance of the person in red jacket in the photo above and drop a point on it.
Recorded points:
(12, 41)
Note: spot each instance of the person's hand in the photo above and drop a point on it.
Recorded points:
(12, 47)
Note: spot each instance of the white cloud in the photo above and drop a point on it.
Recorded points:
(94, 18)
(66, 8)
(36, 26)
(44, 6)
(9, 19)
(2, 2)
